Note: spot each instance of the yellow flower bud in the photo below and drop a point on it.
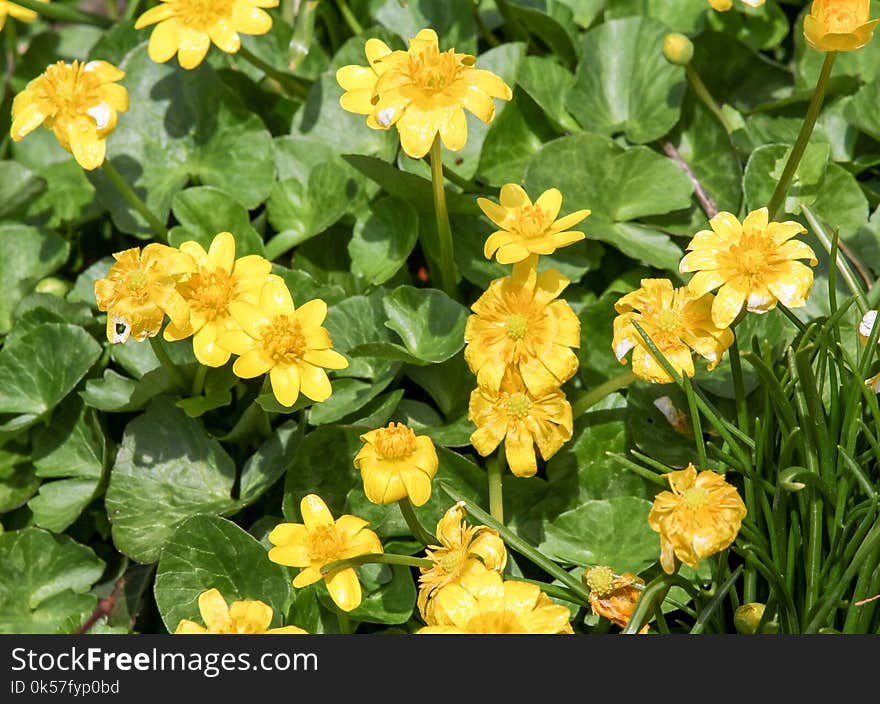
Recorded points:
(678, 49)
(53, 285)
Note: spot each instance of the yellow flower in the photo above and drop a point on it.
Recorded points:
(839, 25)
(78, 102)
(522, 325)
(482, 602)
(461, 548)
(528, 229)
(359, 82)
(676, 322)
(289, 343)
(395, 463)
(320, 540)
(754, 263)
(245, 616)
(699, 517)
(614, 596)
(187, 27)
(22, 14)
(424, 92)
(218, 279)
(521, 420)
(140, 288)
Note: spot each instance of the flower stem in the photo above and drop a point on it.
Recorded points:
(495, 473)
(803, 138)
(415, 525)
(170, 367)
(377, 557)
(706, 98)
(198, 385)
(65, 13)
(134, 200)
(444, 231)
(291, 85)
(131, 9)
(349, 18)
(592, 397)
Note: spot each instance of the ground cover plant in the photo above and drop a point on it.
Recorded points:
(472, 316)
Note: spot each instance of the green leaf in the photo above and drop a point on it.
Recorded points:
(451, 19)
(72, 452)
(612, 532)
(269, 462)
(300, 210)
(167, 470)
(682, 16)
(349, 395)
(31, 379)
(357, 321)
(382, 241)
(547, 83)
(204, 212)
(625, 188)
(187, 125)
(115, 393)
(45, 581)
(18, 481)
(27, 254)
(18, 186)
(428, 321)
(623, 82)
(388, 594)
(207, 552)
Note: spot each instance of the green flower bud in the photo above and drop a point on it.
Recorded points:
(678, 49)
(53, 285)
(748, 616)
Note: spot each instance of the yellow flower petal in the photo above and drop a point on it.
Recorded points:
(192, 47)
(344, 588)
(250, 20)
(252, 364)
(186, 627)
(214, 611)
(206, 349)
(315, 512)
(285, 383)
(164, 41)
(250, 616)
(313, 382)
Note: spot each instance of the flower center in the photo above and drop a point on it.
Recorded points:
(323, 544)
(200, 14)
(432, 71)
(695, 497)
(532, 221)
(518, 405)
(71, 89)
(395, 441)
(450, 561)
(516, 326)
(283, 339)
(600, 580)
(136, 280)
(668, 320)
(209, 293)
(840, 20)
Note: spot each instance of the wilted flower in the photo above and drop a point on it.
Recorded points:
(521, 420)
(140, 289)
(395, 463)
(526, 228)
(187, 27)
(866, 326)
(78, 102)
(699, 517)
(874, 383)
(288, 343)
(520, 323)
(613, 596)
(754, 263)
(424, 92)
(461, 548)
(245, 616)
(318, 541)
(677, 323)
(17, 12)
(839, 25)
